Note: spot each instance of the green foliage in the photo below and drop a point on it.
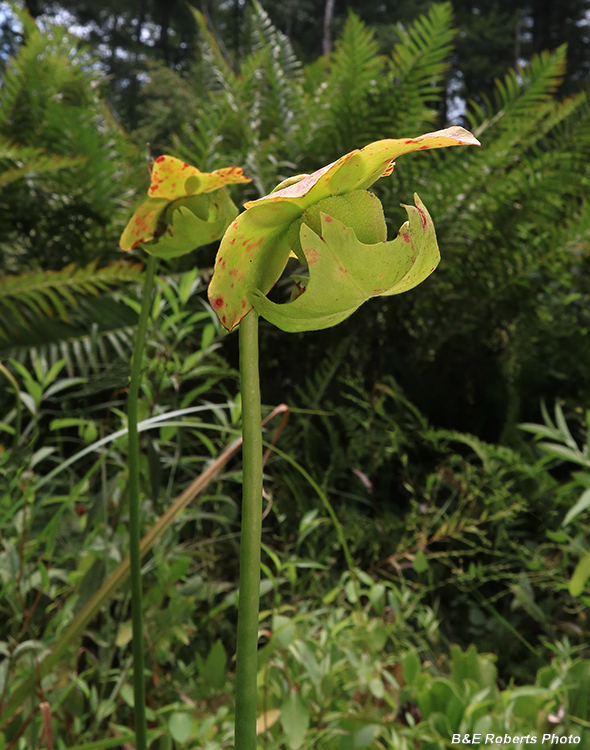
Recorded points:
(26, 298)
(412, 83)
(64, 162)
(473, 526)
(566, 449)
(464, 540)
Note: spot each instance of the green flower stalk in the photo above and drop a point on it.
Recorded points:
(185, 209)
(337, 228)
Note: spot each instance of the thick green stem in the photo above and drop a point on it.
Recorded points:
(134, 514)
(247, 647)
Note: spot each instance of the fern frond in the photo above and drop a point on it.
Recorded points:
(522, 97)
(98, 343)
(218, 73)
(268, 34)
(17, 162)
(51, 293)
(281, 91)
(415, 76)
(354, 72)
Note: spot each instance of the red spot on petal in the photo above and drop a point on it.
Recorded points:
(408, 141)
(223, 319)
(160, 158)
(232, 241)
(422, 217)
(328, 219)
(423, 147)
(311, 255)
(233, 272)
(218, 302)
(243, 303)
(406, 237)
(432, 269)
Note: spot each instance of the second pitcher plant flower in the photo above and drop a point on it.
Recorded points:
(185, 209)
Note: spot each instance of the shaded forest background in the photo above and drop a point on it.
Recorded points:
(408, 416)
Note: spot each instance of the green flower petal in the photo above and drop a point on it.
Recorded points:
(344, 273)
(252, 255)
(419, 233)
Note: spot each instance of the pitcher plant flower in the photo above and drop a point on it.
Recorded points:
(337, 228)
(185, 209)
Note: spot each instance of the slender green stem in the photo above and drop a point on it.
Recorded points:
(134, 514)
(247, 646)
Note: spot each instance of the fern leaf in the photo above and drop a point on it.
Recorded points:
(50, 293)
(415, 78)
(354, 71)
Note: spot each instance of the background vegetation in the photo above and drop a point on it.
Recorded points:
(465, 528)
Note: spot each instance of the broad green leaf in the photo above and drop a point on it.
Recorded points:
(344, 272)
(420, 562)
(180, 726)
(411, 666)
(284, 629)
(214, 668)
(365, 736)
(580, 576)
(582, 505)
(128, 695)
(294, 720)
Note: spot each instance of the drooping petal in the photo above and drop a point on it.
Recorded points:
(359, 169)
(344, 273)
(172, 178)
(220, 177)
(419, 233)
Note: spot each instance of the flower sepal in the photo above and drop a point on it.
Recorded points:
(192, 222)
